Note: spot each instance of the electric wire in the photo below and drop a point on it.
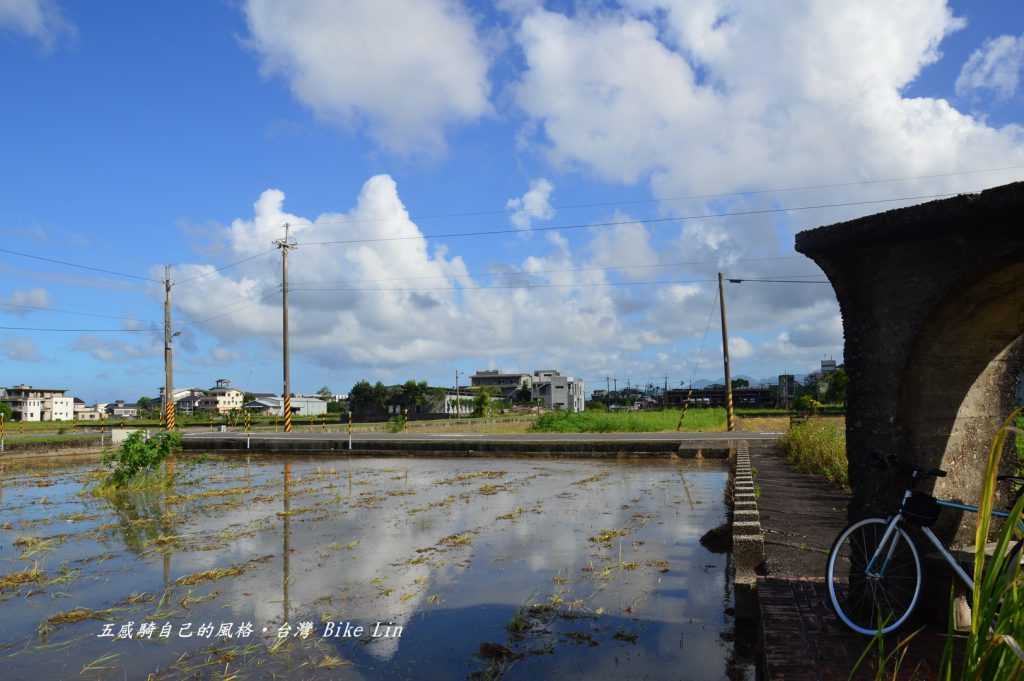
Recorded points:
(616, 223)
(42, 308)
(697, 197)
(79, 266)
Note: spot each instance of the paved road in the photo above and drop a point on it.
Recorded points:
(486, 437)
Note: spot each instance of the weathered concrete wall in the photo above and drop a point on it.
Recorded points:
(932, 299)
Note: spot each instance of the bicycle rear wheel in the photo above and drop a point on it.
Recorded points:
(884, 599)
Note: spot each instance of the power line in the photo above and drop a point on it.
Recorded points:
(74, 312)
(615, 223)
(511, 286)
(778, 281)
(520, 272)
(695, 197)
(79, 266)
(223, 267)
(32, 328)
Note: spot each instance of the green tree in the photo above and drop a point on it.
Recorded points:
(523, 395)
(806, 404)
(740, 383)
(413, 395)
(482, 403)
(837, 383)
(5, 409)
(365, 398)
(325, 393)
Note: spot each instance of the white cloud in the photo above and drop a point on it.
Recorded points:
(996, 65)
(433, 311)
(222, 355)
(39, 19)
(721, 96)
(22, 299)
(535, 204)
(116, 350)
(405, 68)
(740, 348)
(20, 350)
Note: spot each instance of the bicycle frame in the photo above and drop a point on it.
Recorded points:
(890, 531)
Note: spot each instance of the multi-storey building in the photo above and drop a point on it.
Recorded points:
(222, 398)
(39, 404)
(505, 383)
(555, 391)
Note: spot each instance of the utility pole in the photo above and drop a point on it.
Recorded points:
(168, 406)
(729, 416)
(285, 245)
(458, 403)
(607, 384)
(664, 394)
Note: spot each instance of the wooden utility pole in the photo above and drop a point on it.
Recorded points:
(285, 245)
(167, 415)
(730, 417)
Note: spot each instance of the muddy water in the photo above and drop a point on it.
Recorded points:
(518, 569)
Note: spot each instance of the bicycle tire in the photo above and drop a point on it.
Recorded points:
(889, 599)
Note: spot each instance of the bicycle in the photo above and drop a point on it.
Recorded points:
(874, 567)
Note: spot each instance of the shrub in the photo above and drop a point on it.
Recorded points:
(805, 404)
(396, 424)
(139, 455)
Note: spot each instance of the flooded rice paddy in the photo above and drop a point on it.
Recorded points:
(454, 568)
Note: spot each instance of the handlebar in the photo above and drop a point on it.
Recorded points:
(893, 461)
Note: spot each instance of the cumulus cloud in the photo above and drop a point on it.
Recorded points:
(535, 204)
(996, 66)
(721, 96)
(397, 301)
(406, 69)
(119, 350)
(39, 19)
(22, 301)
(20, 350)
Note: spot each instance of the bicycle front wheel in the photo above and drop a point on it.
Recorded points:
(884, 598)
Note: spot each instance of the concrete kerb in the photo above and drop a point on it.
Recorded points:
(747, 535)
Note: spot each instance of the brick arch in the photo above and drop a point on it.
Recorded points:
(932, 299)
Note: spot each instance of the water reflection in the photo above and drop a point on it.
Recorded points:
(530, 568)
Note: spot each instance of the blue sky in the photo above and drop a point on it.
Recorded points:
(139, 134)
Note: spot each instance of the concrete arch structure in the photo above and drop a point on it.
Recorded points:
(932, 300)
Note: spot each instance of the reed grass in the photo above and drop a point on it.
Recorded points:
(818, 447)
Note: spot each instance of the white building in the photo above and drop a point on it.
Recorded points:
(555, 391)
(273, 406)
(186, 400)
(121, 410)
(39, 404)
(222, 398)
(506, 384)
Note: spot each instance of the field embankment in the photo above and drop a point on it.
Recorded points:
(593, 421)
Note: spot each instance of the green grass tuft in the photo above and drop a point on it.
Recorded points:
(818, 447)
(593, 421)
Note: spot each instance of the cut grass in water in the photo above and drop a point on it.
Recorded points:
(697, 420)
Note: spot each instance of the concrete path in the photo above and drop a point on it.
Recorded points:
(802, 639)
(605, 445)
(511, 437)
